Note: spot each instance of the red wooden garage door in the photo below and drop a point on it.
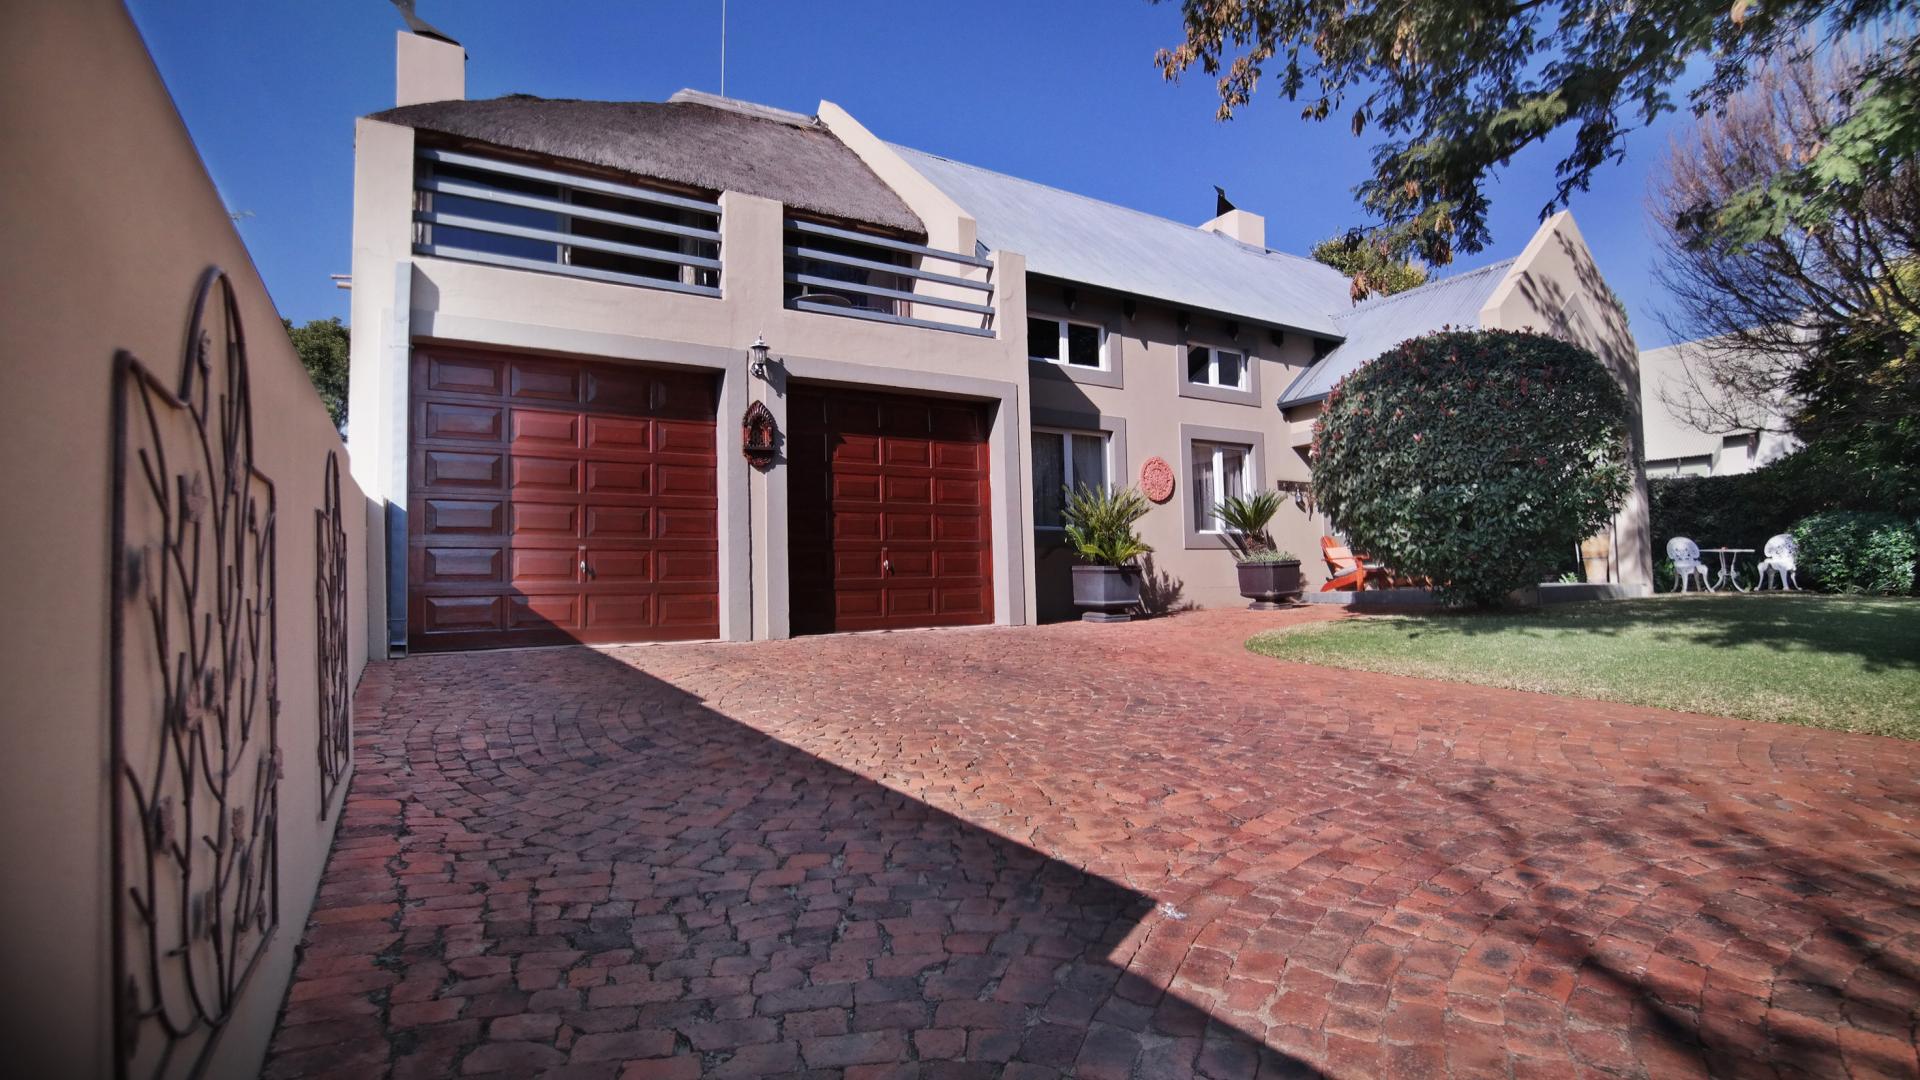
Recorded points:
(888, 524)
(555, 501)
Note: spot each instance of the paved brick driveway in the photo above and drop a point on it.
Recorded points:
(1104, 851)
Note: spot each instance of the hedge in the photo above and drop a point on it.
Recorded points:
(1857, 552)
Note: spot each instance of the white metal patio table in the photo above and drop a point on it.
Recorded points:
(1729, 567)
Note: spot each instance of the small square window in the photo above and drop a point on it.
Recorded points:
(1057, 341)
(1043, 339)
(1208, 366)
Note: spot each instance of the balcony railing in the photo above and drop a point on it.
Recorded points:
(842, 272)
(503, 213)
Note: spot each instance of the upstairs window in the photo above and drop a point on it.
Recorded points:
(1209, 366)
(1064, 460)
(1057, 341)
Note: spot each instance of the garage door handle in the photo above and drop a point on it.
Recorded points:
(886, 566)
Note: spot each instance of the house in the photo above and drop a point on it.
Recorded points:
(555, 308)
(1680, 404)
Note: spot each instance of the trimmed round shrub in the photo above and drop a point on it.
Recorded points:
(1856, 552)
(1473, 458)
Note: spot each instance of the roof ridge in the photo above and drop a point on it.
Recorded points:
(1136, 211)
(1378, 302)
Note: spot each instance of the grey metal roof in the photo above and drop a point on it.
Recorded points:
(1075, 238)
(1374, 326)
(716, 147)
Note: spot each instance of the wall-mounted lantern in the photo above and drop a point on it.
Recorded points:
(1301, 490)
(759, 436)
(757, 357)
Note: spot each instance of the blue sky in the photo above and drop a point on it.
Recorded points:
(1058, 92)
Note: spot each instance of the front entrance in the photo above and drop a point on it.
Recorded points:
(889, 526)
(559, 501)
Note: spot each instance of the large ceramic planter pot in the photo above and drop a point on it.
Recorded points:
(1271, 584)
(1106, 593)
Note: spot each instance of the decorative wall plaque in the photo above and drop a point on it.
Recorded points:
(194, 697)
(1156, 479)
(759, 435)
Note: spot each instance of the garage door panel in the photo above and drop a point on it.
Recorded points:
(619, 522)
(534, 380)
(455, 517)
(619, 478)
(683, 437)
(543, 474)
(619, 433)
(456, 564)
(453, 613)
(466, 423)
(577, 473)
(545, 610)
(869, 490)
(462, 374)
(455, 469)
(539, 430)
(532, 519)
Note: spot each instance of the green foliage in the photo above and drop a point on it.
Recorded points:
(1372, 270)
(1270, 555)
(323, 346)
(1857, 552)
(1459, 88)
(1100, 524)
(1473, 458)
(1246, 518)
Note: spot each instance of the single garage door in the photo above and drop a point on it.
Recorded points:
(888, 525)
(555, 501)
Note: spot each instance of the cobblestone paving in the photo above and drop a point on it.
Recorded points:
(1103, 851)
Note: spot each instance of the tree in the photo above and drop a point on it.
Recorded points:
(1458, 87)
(1816, 320)
(1473, 458)
(1371, 270)
(323, 348)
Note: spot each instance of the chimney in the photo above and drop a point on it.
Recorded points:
(428, 68)
(1243, 225)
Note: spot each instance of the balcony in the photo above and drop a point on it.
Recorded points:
(858, 275)
(503, 213)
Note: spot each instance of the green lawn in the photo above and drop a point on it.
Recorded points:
(1851, 663)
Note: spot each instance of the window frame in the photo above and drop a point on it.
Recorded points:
(1217, 469)
(1061, 323)
(1253, 477)
(1213, 367)
(1065, 434)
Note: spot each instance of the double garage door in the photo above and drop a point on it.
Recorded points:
(558, 501)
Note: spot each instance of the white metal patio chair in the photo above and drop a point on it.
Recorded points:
(1781, 553)
(1685, 556)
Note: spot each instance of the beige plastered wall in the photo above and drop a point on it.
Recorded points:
(110, 219)
(400, 300)
(1143, 401)
(1555, 287)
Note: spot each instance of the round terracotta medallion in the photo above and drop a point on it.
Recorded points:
(1156, 479)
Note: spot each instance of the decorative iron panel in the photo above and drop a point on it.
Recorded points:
(194, 697)
(330, 608)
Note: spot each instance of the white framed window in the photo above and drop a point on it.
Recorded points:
(1060, 341)
(1064, 460)
(1220, 471)
(1210, 366)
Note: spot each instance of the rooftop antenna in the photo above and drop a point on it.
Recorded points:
(723, 48)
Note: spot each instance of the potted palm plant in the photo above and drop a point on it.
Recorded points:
(1099, 523)
(1269, 577)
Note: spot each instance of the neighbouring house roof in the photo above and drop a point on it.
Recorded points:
(1374, 326)
(761, 152)
(1079, 239)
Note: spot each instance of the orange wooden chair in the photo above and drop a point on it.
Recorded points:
(1350, 571)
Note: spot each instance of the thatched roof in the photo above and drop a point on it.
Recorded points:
(796, 161)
